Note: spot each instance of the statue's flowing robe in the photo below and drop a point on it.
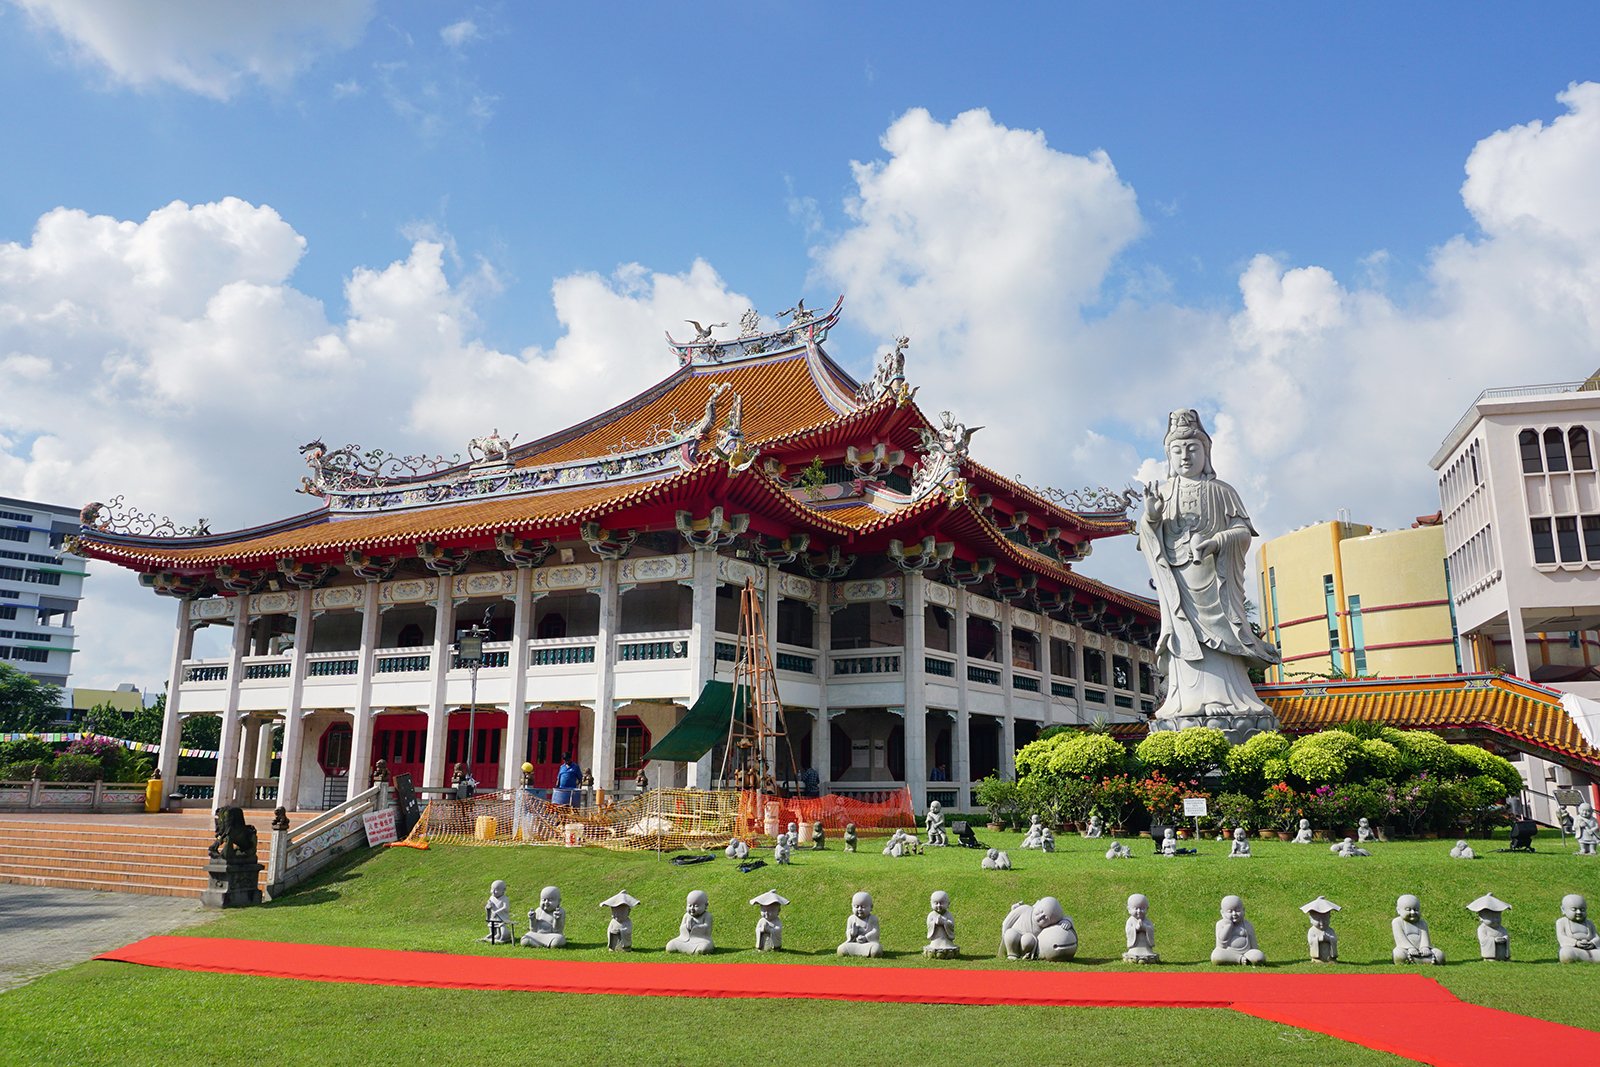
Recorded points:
(1206, 647)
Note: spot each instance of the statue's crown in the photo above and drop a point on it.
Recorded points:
(1185, 423)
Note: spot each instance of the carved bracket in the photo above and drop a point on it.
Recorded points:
(371, 568)
(167, 583)
(607, 544)
(1050, 603)
(831, 566)
(874, 462)
(962, 572)
(1009, 589)
(923, 557)
(240, 582)
(306, 575)
(523, 551)
(714, 531)
(774, 552)
(443, 560)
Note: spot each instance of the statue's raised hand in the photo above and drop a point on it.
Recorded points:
(1153, 503)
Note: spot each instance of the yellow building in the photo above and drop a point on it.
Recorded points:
(1339, 598)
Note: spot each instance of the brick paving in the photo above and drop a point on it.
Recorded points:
(44, 930)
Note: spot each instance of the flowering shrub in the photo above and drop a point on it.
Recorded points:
(1282, 807)
(1233, 809)
(1113, 797)
(1163, 798)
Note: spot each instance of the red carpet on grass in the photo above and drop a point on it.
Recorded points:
(1403, 1013)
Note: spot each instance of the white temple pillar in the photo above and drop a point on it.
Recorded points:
(361, 726)
(222, 794)
(602, 760)
(912, 664)
(515, 753)
(294, 734)
(262, 767)
(1042, 640)
(171, 725)
(961, 742)
(434, 771)
(778, 751)
(251, 736)
(702, 647)
(1519, 643)
(821, 730)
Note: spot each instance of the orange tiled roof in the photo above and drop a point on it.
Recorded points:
(1522, 713)
(779, 394)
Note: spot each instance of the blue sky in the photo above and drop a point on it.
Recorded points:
(399, 221)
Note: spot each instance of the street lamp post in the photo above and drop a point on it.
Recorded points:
(469, 649)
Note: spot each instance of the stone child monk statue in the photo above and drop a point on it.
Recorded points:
(1194, 536)
(694, 933)
(861, 929)
(1576, 937)
(547, 924)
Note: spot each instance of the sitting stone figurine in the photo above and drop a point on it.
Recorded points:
(933, 825)
(1412, 943)
(1118, 851)
(1236, 936)
(547, 924)
(736, 850)
(1047, 840)
(1035, 833)
(781, 849)
(1576, 937)
(769, 928)
(849, 837)
(1096, 828)
(792, 835)
(1323, 942)
(619, 931)
(901, 843)
(861, 929)
(1462, 851)
(1303, 835)
(1494, 941)
(1587, 829)
(941, 929)
(819, 837)
(694, 933)
(1169, 843)
(1347, 848)
(1241, 844)
(1040, 932)
(1140, 932)
(497, 912)
(1365, 832)
(995, 860)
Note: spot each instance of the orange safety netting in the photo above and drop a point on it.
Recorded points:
(660, 820)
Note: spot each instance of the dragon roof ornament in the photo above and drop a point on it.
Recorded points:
(1092, 500)
(944, 452)
(889, 377)
(804, 326)
(114, 516)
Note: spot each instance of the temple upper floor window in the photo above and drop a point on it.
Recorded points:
(1555, 450)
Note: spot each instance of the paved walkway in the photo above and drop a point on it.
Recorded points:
(44, 930)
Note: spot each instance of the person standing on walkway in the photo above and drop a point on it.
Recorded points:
(568, 777)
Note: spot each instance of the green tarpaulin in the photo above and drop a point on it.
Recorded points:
(701, 728)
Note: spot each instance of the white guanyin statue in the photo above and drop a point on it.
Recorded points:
(1194, 536)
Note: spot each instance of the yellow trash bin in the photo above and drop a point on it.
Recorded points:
(484, 830)
(152, 795)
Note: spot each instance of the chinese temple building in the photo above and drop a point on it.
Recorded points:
(924, 613)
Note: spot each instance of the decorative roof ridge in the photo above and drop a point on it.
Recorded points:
(805, 326)
(94, 533)
(1033, 498)
(1507, 683)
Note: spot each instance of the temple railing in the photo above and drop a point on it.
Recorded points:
(38, 795)
(855, 663)
(661, 645)
(301, 851)
(982, 675)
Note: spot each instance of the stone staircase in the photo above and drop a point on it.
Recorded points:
(163, 859)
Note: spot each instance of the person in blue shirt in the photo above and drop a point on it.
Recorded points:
(568, 777)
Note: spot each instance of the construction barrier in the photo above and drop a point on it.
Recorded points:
(660, 820)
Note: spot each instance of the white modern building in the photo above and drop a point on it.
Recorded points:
(40, 587)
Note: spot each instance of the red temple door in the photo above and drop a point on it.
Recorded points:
(485, 753)
(551, 734)
(402, 741)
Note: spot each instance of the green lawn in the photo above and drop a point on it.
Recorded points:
(403, 898)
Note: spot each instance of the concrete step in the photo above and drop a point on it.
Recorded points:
(53, 882)
(163, 859)
(75, 850)
(134, 874)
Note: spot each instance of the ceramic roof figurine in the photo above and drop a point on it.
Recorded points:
(497, 912)
(1576, 937)
(1241, 844)
(933, 824)
(861, 929)
(619, 932)
(941, 929)
(1494, 942)
(1140, 932)
(1462, 851)
(547, 924)
(1303, 835)
(769, 928)
(1236, 936)
(694, 932)
(1412, 942)
(1323, 942)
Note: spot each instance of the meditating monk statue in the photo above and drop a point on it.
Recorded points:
(694, 933)
(1236, 936)
(1097, 827)
(1576, 937)
(1303, 835)
(1241, 843)
(861, 929)
(547, 924)
(1412, 943)
(1140, 932)
(1462, 851)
